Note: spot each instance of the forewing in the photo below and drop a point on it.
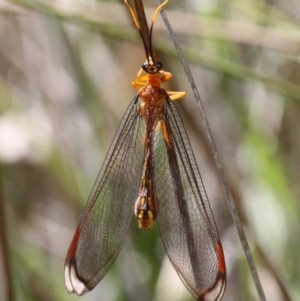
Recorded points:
(185, 219)
(105, 221)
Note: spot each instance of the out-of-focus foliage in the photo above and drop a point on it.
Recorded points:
(65, 74)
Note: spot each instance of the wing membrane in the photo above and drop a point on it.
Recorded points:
(185, 219)
(105, 221)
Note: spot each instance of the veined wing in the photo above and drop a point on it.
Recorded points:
(106, 218)
(185, 219)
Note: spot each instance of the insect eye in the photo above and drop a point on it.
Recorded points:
(145, 67)
(159, 66)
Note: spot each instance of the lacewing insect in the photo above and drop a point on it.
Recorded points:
(150, 170)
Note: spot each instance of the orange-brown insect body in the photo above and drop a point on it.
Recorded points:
(152, 101)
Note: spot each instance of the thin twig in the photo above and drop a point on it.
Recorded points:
(4, 243)
(217, 160)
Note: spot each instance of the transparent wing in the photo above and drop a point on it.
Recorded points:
(185, 219)
(106, 218)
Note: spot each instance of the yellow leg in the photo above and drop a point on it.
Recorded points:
(140, 81)
(175, 95)
(165, 76)
(138, 84)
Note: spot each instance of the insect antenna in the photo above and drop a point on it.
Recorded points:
(140, 21)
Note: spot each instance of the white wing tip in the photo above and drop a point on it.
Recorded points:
(72, 282)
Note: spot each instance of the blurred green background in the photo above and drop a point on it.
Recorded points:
(65, 74)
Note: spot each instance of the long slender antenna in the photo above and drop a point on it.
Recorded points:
(220, 169)
(144, 29)
(140, 21)
(154, 18)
